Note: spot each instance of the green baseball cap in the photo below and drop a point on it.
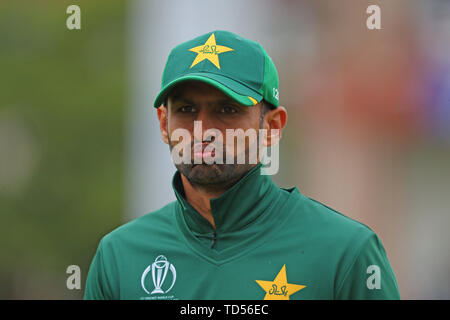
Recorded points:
(238, 67)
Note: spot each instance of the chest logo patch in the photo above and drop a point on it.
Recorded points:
(159, 270)
(279, 289)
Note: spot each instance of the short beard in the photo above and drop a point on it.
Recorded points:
(214, 178)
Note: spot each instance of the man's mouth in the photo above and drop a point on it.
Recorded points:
(200, 153)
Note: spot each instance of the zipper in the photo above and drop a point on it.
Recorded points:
(213, 242)
(208, 236)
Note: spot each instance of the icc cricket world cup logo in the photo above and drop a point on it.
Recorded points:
(159, 270)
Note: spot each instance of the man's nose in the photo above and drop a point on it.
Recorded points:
(204, 124)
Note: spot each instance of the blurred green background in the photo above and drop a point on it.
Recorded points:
(61, 125)
(368, 129)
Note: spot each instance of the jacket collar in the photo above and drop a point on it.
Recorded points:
(235, 209)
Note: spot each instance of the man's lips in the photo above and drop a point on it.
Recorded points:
(200, 153)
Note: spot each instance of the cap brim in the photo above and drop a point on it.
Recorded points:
(235, 90)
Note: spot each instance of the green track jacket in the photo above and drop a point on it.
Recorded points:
(269, 243)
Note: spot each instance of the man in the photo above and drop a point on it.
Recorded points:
(232, 233)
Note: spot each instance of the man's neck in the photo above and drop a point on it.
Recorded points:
(199, 196)
(199, 199)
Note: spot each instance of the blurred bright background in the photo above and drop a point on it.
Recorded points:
(80, 152)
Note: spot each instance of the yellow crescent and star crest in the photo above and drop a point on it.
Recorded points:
(209, 51)
(279, 289)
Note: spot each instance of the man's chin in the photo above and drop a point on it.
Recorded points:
(203, 172)
(208, 174)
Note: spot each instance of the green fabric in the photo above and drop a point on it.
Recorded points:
(240, 67)
(270, 86)
(261, 230)
(226, 85)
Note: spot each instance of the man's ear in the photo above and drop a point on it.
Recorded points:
(162, 116)
(274, 122)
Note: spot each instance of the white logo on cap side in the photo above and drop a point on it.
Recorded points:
(276, 93)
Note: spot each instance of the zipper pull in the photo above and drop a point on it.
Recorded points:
(214, 239)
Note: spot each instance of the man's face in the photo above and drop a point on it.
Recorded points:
(197, 101)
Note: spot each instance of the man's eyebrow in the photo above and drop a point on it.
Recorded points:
(228, 101)
(180, 98)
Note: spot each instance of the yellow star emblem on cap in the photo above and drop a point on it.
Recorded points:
(209, 50)
(279, 289)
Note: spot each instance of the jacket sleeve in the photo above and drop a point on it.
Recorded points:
(98, 285)
(370, 276)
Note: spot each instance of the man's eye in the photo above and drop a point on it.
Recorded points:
(186, 109)
(228, 109)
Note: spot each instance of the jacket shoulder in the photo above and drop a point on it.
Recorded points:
(328, 223)
(152, 223)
